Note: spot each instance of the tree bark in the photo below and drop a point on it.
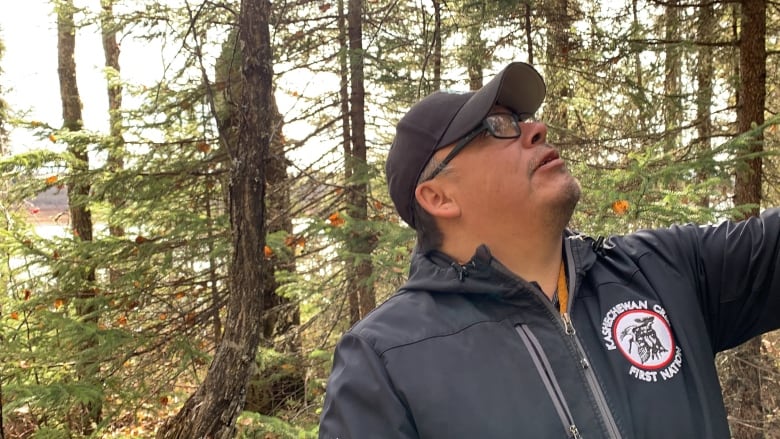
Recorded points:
(88, 413)
(362, 240)
(742, 387)
(672, 104)
(353, 295)
(212, 410)
(115, 161)
(705, 72)
(559, 46)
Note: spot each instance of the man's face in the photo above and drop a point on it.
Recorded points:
(514, 180)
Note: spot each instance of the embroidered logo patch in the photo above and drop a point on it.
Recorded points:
(643, 336)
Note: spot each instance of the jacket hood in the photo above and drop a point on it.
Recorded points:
(437, 272)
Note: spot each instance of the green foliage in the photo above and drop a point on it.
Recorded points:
(256, 426)
(139, 337)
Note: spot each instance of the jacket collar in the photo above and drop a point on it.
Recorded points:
(483, 274)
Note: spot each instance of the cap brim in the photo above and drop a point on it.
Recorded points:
(518, 87)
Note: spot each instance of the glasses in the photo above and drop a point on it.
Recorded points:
(498, 125)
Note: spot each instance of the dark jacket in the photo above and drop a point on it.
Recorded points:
(474, 351)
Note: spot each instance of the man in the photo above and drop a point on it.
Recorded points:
(511, 326)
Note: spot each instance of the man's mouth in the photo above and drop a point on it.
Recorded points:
(552, 155)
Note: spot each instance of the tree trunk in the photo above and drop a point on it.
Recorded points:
(212, 411)
(672, 103)
(742, 387)
(362, 240)
(559, 46)
(436, 81)
(353, 295)
(115, 161)
(705, 73)
(88, 413)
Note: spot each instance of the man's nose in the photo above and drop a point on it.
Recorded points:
(533, 134)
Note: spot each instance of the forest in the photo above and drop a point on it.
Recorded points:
(185, 269)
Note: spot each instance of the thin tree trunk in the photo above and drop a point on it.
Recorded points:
(743, 385)
(672, 104)
(436, 83)
(559, 46)
(353, 295)
(362, 243)
(212, 411)
(89, 413)
(705, 72)
(115, 160)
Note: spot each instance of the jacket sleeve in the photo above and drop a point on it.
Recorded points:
(360, 401)
(735, 267)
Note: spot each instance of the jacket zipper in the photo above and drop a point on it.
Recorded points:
(590, 375)
(564, 319)
(547, 376)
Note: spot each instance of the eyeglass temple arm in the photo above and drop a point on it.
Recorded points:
(459, 146)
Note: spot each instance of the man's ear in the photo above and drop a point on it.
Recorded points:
(434, 198)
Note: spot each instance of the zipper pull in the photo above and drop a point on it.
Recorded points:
(568, 326)
(463, 273)
(574, 433)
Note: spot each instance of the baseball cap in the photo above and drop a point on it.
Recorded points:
(442, 118)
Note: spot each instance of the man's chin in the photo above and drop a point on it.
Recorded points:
(569, 196)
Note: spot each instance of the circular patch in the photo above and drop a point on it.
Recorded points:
(644, 338)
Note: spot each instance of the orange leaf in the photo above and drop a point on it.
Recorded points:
(180, 295)
(164, 400)
(53, 138)
(163, 316)
(292, 241)
(336, 220)
(203, 147)
(15, 315)
(140, 239)
(620, 207)
(121, 321)
(267, 252)
(51, 179)
(59, 303)
(378, 205)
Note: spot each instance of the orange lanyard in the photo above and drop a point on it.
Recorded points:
(563, 290)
